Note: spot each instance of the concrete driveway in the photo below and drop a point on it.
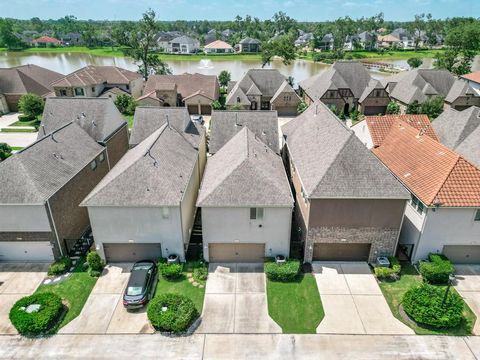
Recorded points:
(468, 286)
(353, 301)
(104, 313)
(236, 301)
(16, 281)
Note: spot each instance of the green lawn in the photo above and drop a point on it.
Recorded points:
(387, 55)
(182, 286)
(295, 306)
(14, 130)
(393, 292)
(34, 122)
(75, 290)
(129, 119)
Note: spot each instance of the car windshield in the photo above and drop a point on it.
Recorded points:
(142, 267)
(134, 290)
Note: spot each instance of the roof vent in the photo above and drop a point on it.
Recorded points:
(93, 123)
(83, 115)
(43, 129)
(57, 156)
(407, 175)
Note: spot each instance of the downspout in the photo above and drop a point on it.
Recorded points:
(400, 229)
(54, 228)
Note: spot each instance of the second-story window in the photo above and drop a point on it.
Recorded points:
(79, 92)
(477, 215)
(93, 165)
(256, 213)
(63, 92)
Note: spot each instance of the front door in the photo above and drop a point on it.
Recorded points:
(253, 105)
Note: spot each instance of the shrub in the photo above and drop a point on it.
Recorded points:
(60, 266)
(393, 108)
(31, 105)
(95, 262)
(200, 273)
(171, 271)
(414, 62)
(285, 272)
(424, 305)
(392, 272)
(94, 273)
(36, 322)
(5, 151)
(179, 314)
(437, 269)
(125, 104)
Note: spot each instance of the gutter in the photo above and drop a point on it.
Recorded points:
(54, 227)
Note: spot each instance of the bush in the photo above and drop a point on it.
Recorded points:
(392, 272)
(286, 272)
(179, 314)
(60, 266)
(125, 104)
(38, 322)
(424, 305)
(171, 271)
(95, 262)
(200, 273)
(31, 105)
(94, 273)
(437, 269)
(5, 151)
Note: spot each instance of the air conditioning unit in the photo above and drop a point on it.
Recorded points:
(383, 261)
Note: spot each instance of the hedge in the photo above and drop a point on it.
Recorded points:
(437, 269)
(284, 272)
(392, 272)
(424, 305)
(60, 266)
(37, 322)
(200, 272)
(172, 312)
(95, 264)
(170, 271)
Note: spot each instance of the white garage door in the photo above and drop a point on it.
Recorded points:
(26, 251)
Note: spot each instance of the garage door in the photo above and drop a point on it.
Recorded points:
(192, 109)
(463, 254)
(341, 252)
(206, 109)
(375, 110)
(26, 251)
(236, 252)
(286, 111)
(132, 252)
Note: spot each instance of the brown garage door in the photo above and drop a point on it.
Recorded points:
(206, 109)
(375, 110)
(132, 252)
(341, 252)
(236, 252)
(463, 254)
(286, 110)
(192, 109)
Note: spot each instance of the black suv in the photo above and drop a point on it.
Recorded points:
(141, 284)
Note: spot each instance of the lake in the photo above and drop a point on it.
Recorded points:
(68, 62)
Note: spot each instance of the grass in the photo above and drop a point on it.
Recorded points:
(388, 55)
(13, 130)
(16, 148)
(75, 290)
(182, 286)
(129, 119)
(34, 122)
(394, 291)
(295, 306)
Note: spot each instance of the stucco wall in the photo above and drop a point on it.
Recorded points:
(23, 218)
(233, 225)
(188, 206)
(142, 225)
(447, 226)
(363, 133)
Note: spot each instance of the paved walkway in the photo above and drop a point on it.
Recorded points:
(8, 119)
(353, 301)
(468, 286)
(104, 313)
(237, 346)
(18, 139)
(236, 301)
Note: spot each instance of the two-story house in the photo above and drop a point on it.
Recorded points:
(263, 89)
(443, 215)
(348, 206)
(346, 86)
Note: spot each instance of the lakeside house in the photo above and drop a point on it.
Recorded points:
(183, 45)
(249, 45)
(45, 41)
(218, 47)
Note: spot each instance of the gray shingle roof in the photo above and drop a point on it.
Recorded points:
(266, 80)
(245, 173)
(333, 163)
(460, 131)
(154, 173)
(149, 119)
(99, 117)
(342, 75)
(27, 79)
(250, 41)
(226, 124)
(419, 84)
(38, 171)
(184, 40)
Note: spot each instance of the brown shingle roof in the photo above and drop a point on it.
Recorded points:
(435, 174)
(379, 126)
(91, 75)
(27, 79)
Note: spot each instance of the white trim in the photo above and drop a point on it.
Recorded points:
(54, 228)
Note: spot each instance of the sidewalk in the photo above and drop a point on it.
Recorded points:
(236, 346)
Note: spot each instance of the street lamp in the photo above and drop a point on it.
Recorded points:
(451, 279)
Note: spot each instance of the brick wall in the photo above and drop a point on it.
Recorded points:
(117, 145)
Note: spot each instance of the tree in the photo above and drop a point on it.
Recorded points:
(5, 151)
(281, 46)
(393, 108)
(302, 106)
(417, 27)
(125, 104)
(413, 108)
(140, 43)
(8, 38)
(414, 62)
(216, 105)
(224, 78)
(432, 107)
(31, 105)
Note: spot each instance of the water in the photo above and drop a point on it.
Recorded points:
(68, 62)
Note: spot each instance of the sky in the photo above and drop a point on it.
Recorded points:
(301, 10)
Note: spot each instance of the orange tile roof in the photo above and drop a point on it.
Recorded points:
(474, 76)
(435, 174)
(218, 44)
(46, 39)
(379, 126)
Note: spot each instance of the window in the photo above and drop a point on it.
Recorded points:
(93, 89)
(256, 213)
(93, 165)
(79, 92)
(477, 215)
(63, 92)
(127, 87)
(414, 201)
(101, 157)
(420, 208)
(287, 98)
(165, 213)
(238, 99)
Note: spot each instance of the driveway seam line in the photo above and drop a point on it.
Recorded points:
(113, 312)
(353, 299)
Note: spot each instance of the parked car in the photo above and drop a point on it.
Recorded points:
(141, 284)
(198, 119)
